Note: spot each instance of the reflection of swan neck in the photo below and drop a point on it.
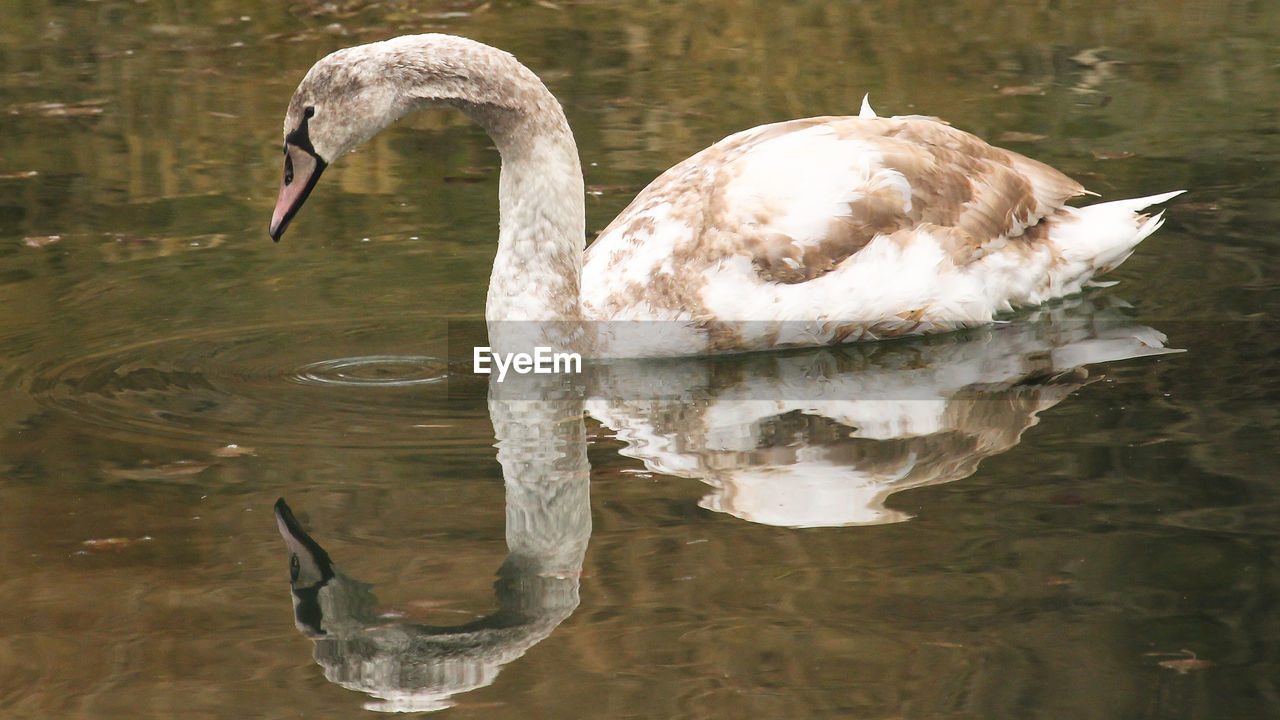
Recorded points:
(411, 667)
(543, 452)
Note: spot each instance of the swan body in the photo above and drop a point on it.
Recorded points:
(806, 232)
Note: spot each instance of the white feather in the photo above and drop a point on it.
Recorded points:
(866, 111)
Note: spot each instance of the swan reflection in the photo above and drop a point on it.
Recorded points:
(814, 438)
(409, 667)
(823, 437)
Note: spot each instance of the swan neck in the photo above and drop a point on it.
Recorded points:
(538, 266)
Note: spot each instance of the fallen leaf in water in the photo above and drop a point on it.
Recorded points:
(112, 544)
(1184, 665)
(1022, 90)
(1104, 155)
(598, 190)
(470, 175)
(233, 450)
(1187, 665)
(127, 239)
(167, 471)
(19, 175)
(39, 241)
(1015, 136)
(83, 108)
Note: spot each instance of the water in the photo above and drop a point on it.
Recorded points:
(993, 534)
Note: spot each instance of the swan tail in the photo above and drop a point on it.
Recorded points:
(1105, 234)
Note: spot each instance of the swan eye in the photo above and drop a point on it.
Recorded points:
(288, 169)
(295, 568)
(309, 112)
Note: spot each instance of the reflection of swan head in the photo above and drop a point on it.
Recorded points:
(410, 667)
(320, 597)
(358, 649)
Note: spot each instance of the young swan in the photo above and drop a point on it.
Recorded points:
(806, 232)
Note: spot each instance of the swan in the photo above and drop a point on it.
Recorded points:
(804, 232)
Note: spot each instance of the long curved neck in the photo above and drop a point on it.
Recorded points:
(537, 270)
(538, 267)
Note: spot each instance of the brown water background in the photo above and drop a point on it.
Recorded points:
(1120, 561)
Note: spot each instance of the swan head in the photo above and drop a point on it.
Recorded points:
(303, 165)
(345, 99)
(352, 94)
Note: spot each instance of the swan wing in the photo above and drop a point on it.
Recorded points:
(792, 202)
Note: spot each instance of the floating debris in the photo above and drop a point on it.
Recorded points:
(167, 471)
(599, 190)
(111, 544)
(39, 241)
(1105, 155)
(83, 108)
(1183, 665)
(1022, 90)
(233, 451)
(1016, 136)
(476, 174)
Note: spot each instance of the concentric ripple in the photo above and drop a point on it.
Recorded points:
(263, 385)
(376, 370)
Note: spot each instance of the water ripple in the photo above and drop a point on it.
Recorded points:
(375, 370)
(260, 385)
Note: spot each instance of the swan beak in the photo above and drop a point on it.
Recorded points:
(301, 171)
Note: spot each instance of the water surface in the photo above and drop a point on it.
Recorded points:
(973, 526)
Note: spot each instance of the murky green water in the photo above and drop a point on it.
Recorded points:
(958, 527)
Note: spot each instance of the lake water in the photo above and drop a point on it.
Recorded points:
(971, 526)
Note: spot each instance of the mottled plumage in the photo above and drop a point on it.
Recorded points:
(806, 232)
